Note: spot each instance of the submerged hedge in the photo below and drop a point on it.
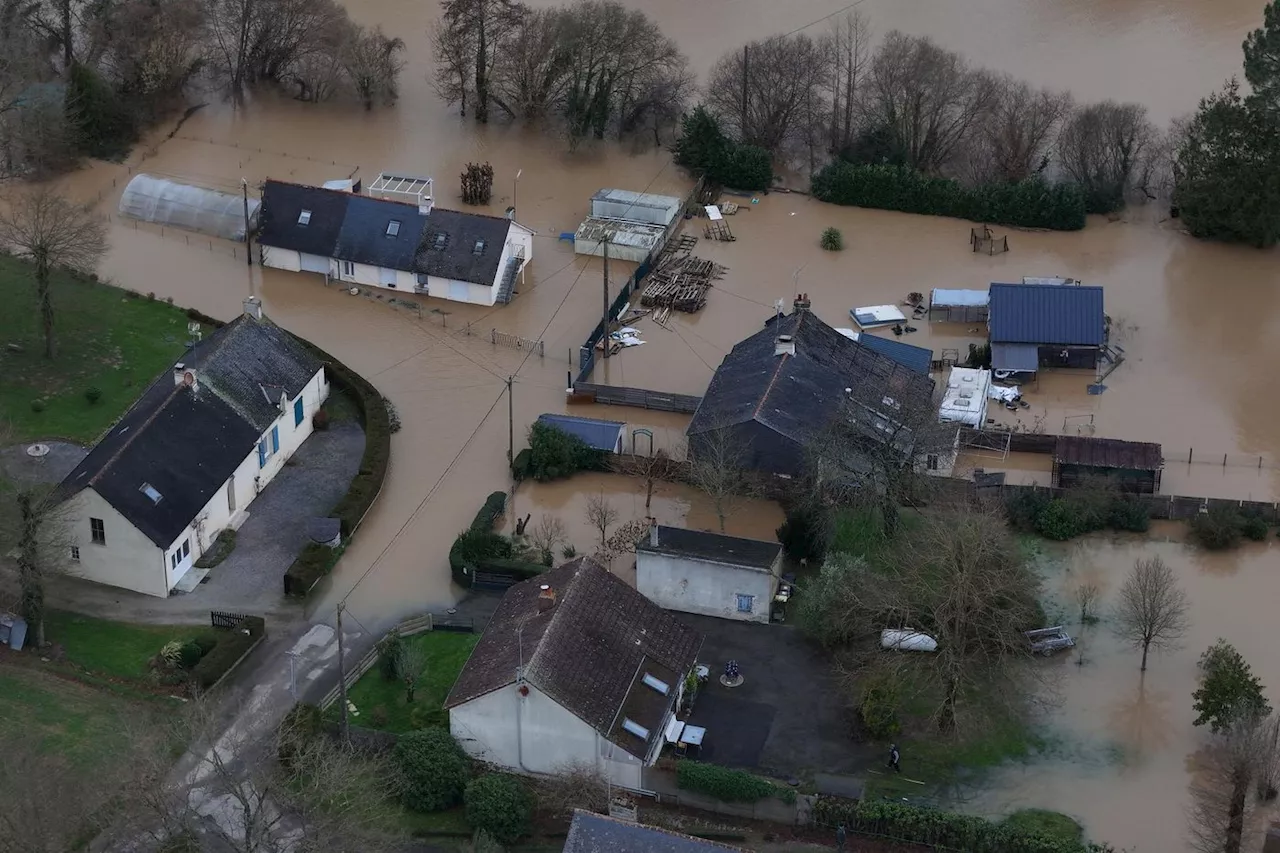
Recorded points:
(316, 560)
(1033, 203)
(478, 548)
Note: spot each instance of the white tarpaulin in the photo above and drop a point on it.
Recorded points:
(1003, 394)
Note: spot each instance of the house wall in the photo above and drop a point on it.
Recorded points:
(704, 586)
(368, 275)
(280, 259)
(1081, 358)
(535, 735)
(128, 559)
(461, 291)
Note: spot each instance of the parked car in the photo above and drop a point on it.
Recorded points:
(1046, 641)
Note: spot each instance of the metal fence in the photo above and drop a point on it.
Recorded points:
(223, 619)
(516, 342)
(1165, 507)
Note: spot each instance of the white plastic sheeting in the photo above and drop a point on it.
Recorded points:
(193, 208)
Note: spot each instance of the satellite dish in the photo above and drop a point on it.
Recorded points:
(188, 378)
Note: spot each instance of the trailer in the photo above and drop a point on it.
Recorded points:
(1046, 641)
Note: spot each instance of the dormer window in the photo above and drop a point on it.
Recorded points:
(151, 492)
(438, 241)
(393, 228)
(304, 218)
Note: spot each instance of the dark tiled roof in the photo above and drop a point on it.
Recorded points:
(593, 833)
(1056, 315)
(797, 396)
(364, 239)
(680, 542)
(282, 203)
(185, 442)
(915, 358)
(589, 652)
(1108, 453)
(458, 260)
(601, 435)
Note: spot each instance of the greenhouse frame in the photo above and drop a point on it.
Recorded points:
(159, 200)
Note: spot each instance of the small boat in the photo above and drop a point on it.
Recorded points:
(907, 640)
(1046, 641)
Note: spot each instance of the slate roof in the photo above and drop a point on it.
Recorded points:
(680, 542)
(598, 434)
(916, 358)
(1055, 315)
(1108, 453)
(594, 833)
(797, 396)
(458, 260)
(187, 441)
(588, 653)
(282, 203)
(364, 239)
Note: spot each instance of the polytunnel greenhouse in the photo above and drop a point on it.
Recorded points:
(166, 202)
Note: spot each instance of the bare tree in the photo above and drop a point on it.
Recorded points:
(51, 231)
(623, 541)
(927, 98)
(1013, 142)
(769, 93)
(717, 466)
(849, 49)
(532, 74)
(147, 49)
(548, 534)
(1152, 610)
(411, 666)
(373, 64)
(1086, 595)
(32, 518)
(1104, 147)
(574, 786)
(1237, 769)
(473, 35)
(601, 515)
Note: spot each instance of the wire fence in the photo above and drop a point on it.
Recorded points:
(1201, 456)
(189, 238)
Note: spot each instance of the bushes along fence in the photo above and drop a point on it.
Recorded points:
(727, 784)
(233, 644)
(1033, 203)
(479, 550)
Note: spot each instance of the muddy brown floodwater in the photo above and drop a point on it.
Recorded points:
(1201, 346)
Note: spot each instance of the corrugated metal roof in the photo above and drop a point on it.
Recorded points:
(1108, 453)
(598, 434)
(699, 544)
(944, 298)
(1021, 357)
(1041, 314)
(914, 358)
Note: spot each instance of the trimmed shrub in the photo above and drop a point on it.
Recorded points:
(312, 564)
(1253, 527)
(1075, 513)
(232, 645)
(500, 805)
(744, 167)
(832, 240)
(723, 783)
(555, 454)
(494, 506)
(92, 395)
(434, 767)
(388, 648)
(37, 406)
(1217, 529)
(1032, 203)
(474, 545)
(189, 654)
(522, 465)
(478, 548)
(1128, 514)
(1061, 520)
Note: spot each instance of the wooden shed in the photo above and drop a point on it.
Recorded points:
(1133, 465)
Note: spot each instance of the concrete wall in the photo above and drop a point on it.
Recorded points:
(534, 735)
(461, 291)
(703, 586)
(128, 559)
(280, 259)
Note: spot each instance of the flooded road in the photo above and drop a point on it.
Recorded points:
(1201, 346)
(1123, 744)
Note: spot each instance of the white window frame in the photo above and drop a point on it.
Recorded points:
(348, 269)
(98, 536)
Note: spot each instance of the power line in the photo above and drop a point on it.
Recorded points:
(823, 18)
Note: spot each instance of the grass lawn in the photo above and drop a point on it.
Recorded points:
(1047, 823)
(115, 649)
(382, 704)
(80, 723)
(107, 338)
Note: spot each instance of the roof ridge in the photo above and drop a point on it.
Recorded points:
(128, 442)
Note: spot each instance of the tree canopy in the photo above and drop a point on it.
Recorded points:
(1228, 689)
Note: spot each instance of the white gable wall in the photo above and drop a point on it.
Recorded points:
(703, 586)
(128, 559)
(534, 735)
(280, 259)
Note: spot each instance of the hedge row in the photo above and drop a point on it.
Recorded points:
(1033, 203)
(316, 561)
(231, 646)
(726, 784)
(498, 561)
(917, 825)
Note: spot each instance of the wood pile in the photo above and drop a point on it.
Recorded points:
(680, 282)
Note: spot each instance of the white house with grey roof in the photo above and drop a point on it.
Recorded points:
(378, 242)
(575, 667)
(707, 573)
(187, 460)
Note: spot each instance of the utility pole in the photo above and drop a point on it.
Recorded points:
(342, 680)
(511, 424)
(248, 255)
(746, 75)
(604, 318)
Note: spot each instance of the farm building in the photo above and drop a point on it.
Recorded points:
(708, 573)
(1134, 466)
(1033, 326)
(628, 241)
(164, 202)
(958, 306)
(660, 210)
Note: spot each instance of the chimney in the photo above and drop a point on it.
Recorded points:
(546, 598)
(183, 375)
(801, 303)
(253, 308)
(653, 533)
(784, 345)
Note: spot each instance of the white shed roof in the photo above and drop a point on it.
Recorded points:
(635, 199)
(944, 298)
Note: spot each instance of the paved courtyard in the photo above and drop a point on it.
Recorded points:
(787, 718)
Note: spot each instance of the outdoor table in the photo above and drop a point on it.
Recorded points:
(693, 735)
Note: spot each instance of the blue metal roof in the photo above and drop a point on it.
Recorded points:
(601, 435)
(1058, 315)
(911, 357)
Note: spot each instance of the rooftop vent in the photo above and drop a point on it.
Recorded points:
(183, 375)
(546, 598)
(784, 345)
(656, 683)
(151, 492)
(393, 228)
(635, 728)
(304, 218)
(438, 241)
(479, 248)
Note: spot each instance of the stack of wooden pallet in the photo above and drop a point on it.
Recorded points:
(680, 282)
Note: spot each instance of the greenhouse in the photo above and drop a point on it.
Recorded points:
(166, 202)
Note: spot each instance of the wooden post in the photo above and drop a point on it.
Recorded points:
(604, 318)
(511, 424)
(248, 256)
(342, 680)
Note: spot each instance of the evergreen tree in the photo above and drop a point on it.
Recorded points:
(1229, 691)
(1262, 59)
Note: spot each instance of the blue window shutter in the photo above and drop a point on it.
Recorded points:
(297, 411)
(275, 439)
(262, 453)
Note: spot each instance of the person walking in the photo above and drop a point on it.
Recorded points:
(840, 836)
(894, 756)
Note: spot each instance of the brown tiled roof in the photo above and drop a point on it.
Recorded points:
(1107, 453)
(589, 652)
